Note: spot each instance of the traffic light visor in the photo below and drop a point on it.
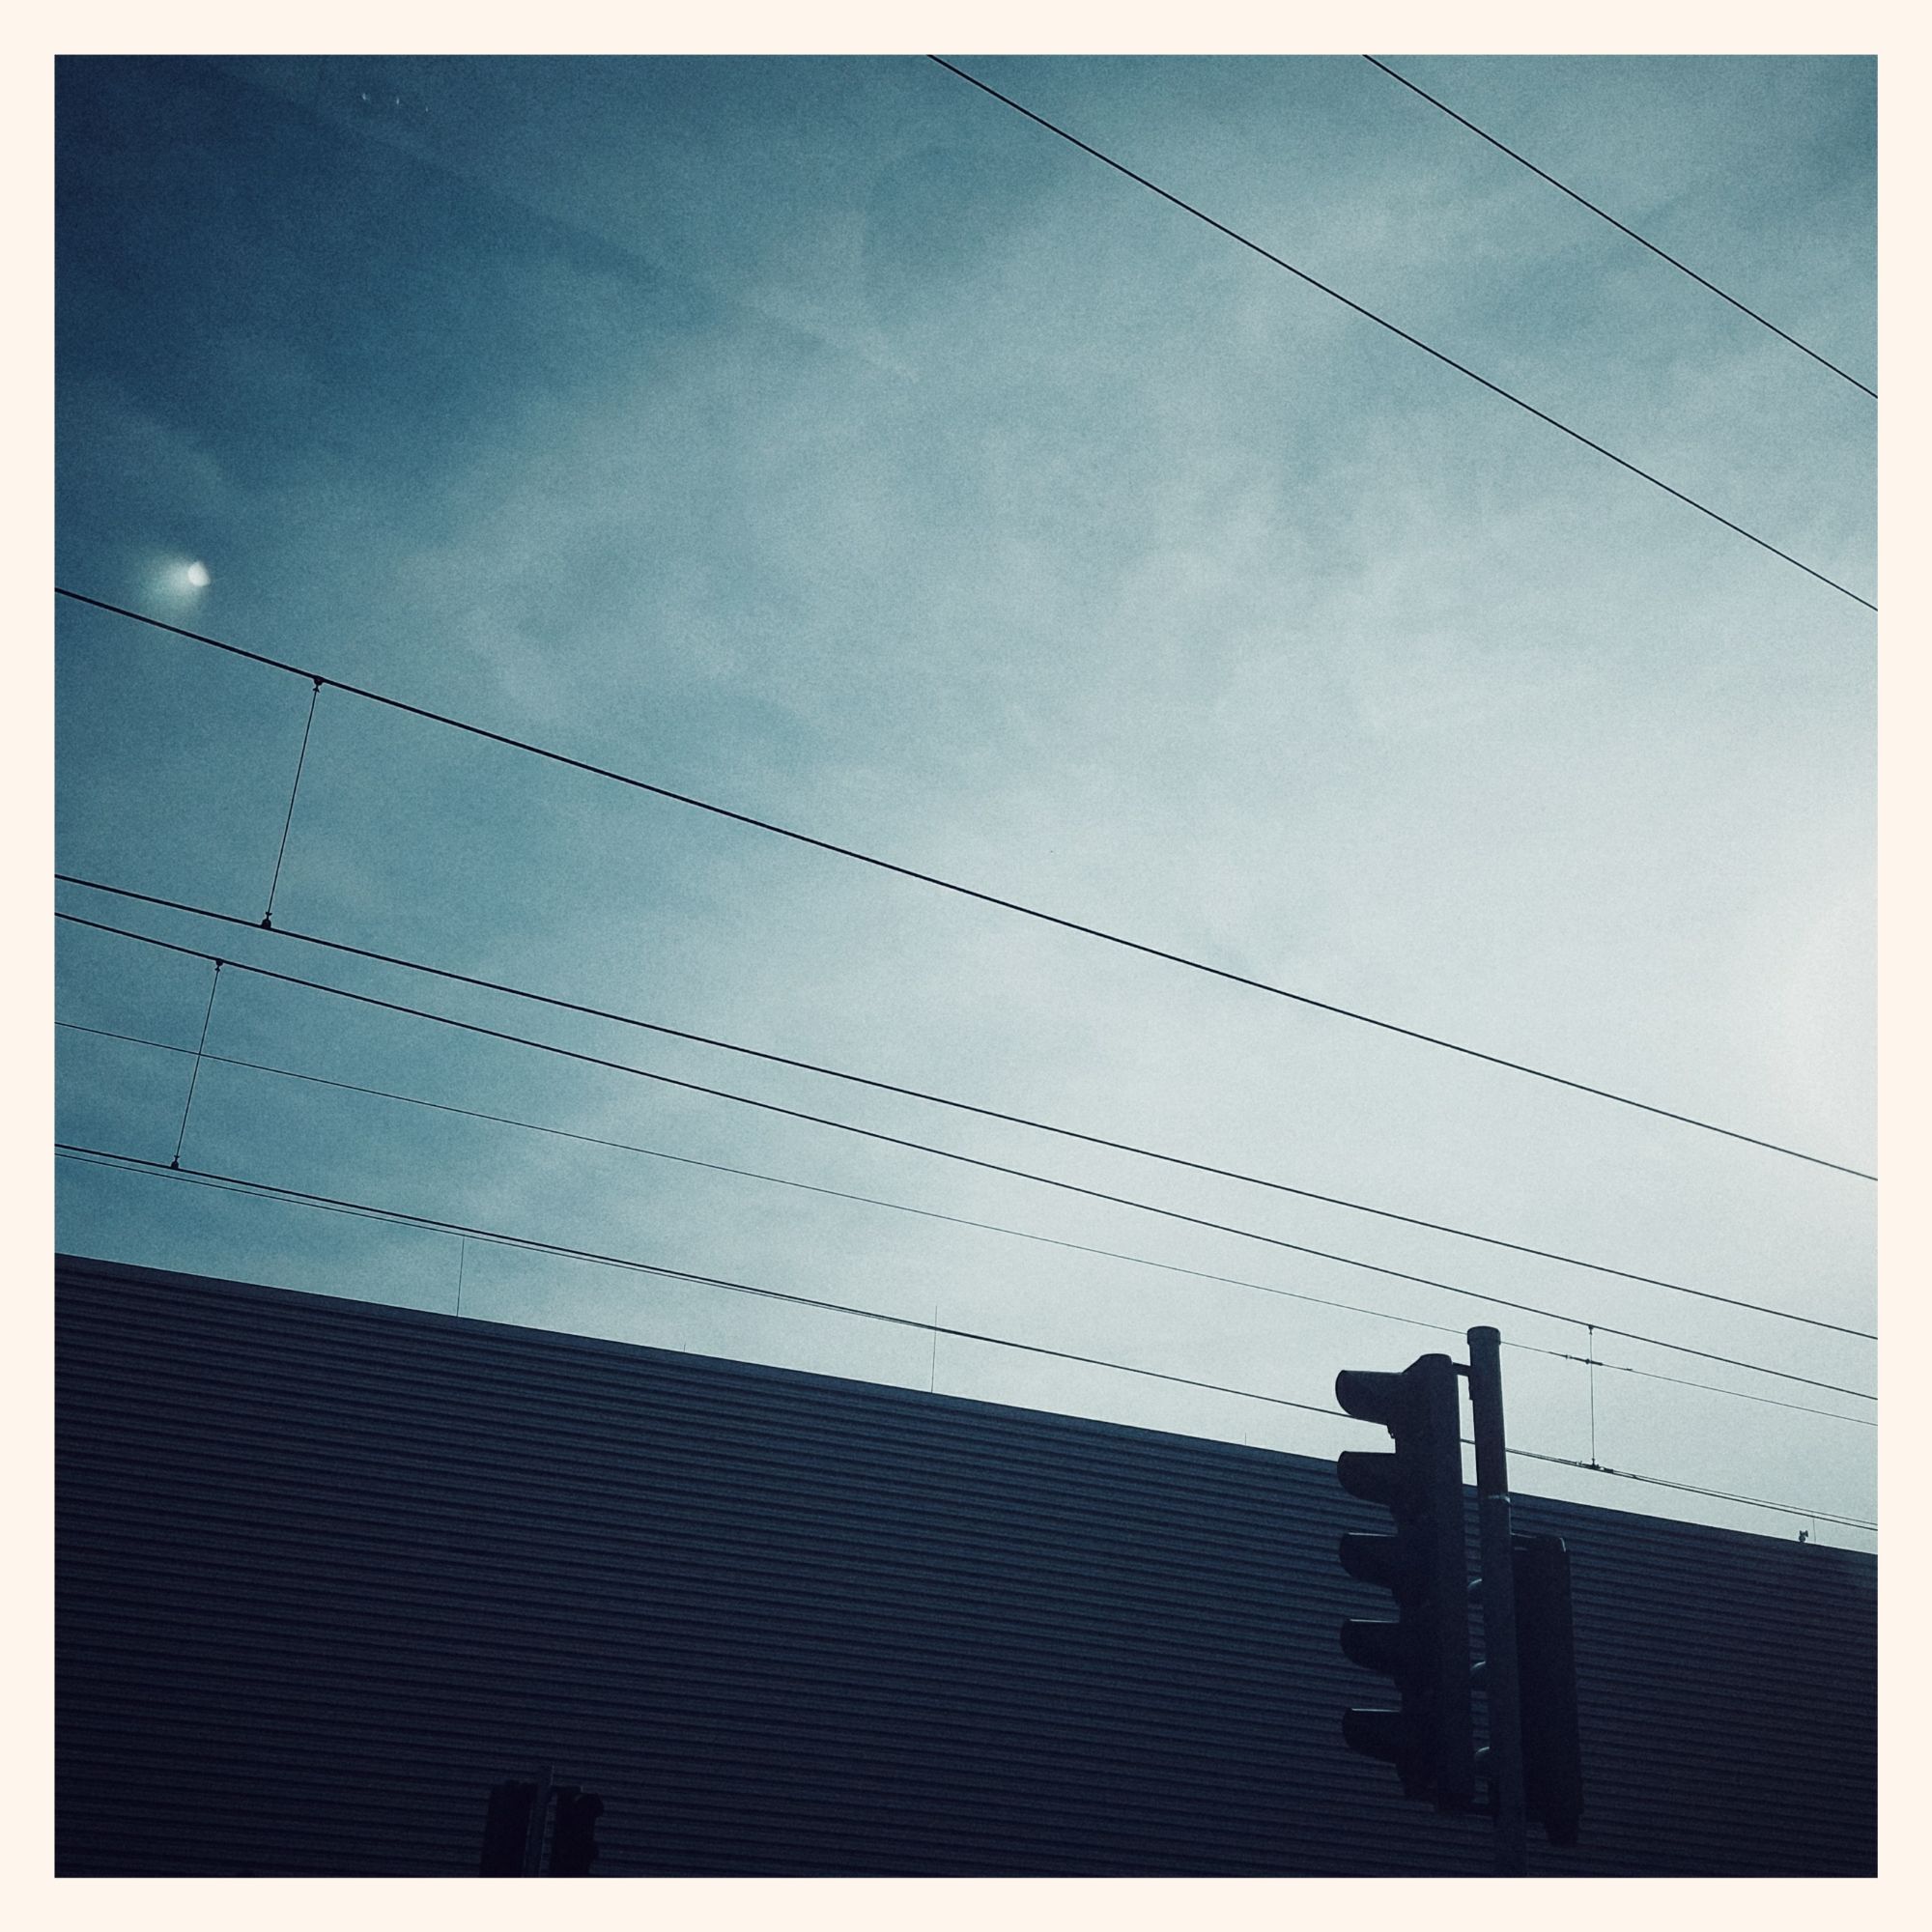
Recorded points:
(1374, 1395)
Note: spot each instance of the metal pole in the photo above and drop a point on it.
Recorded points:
(1503, 1761)
(533, 1843)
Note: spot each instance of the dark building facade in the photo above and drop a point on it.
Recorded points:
(327, 1570)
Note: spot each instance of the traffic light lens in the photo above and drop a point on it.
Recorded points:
(1381, 1560)
(1378, 1646)
(1384, 1734)
(1375, 1477)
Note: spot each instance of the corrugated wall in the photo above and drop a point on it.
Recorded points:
(327, 1570)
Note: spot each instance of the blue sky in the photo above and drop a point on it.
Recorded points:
(822, 439)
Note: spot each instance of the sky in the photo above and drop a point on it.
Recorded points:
(823, 440)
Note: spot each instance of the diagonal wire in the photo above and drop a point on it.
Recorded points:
(1591, 1361)
(803, 1186)
(1695, 1490)
(302, 758)
(194, 1077)
(963, 1159)
(970, 1107)
(1414, 341)
(1623, 228)
(102, 1158)
(1595, 1361)
(973, 893)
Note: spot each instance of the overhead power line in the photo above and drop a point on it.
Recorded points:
(105, 1157)
(952, 886)
(964, 1106)
(1708, 1388)
(928, 1214)
(949, 1153)
(1695, 1490)
(832, 1193)
(1622, 228)
(1414, 341)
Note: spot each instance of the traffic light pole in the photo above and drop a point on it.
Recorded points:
(534, 1841)
(1503, 1760)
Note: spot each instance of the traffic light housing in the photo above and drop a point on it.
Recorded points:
(573, 1842)
(506, 1827)
(1552, 1766)
(1429, 1738)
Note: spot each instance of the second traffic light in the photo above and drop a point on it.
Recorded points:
(573, 1843)
(1429, 1738)
(506, 1829)
(1553, 1769)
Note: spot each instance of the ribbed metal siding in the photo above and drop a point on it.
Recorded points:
(327, 1570)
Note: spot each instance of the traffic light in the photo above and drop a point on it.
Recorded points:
(506, 1827)
(1552, 1765)
(573, 1843)
(1429, 1739)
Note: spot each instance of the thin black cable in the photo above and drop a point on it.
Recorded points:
(102, 1158)
(865, 1133)
(301, 757)
(1695, 1490)
(1592, 1374)
(969, 1160)
(1415, 341)
(970, 1107)
(965, 892)
(1591, 1361)
(964, 1159)
(194, 1077)
(805, 1186)
(1594, 1361)
(1604, 216)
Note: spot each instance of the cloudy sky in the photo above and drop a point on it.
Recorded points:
(823, 440)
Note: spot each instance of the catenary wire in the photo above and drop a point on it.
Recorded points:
(967, 1107)
(845, 1127)
(1415, 341)
(194, 1078)
(964, 1159)
(935, 1215)
(973, 893)
(294, 792)
(812, 1187)
(1692, 1489)
(105, 1157)
(1623, 228)
(1680, 1382)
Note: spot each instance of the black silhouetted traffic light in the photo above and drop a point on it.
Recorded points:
(573, 1842)
(506, 1829)
(1552, 1764)
(1429, 1738)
